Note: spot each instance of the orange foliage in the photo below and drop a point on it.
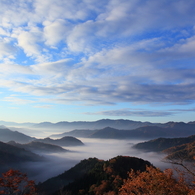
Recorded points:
(14, 182)
(152, 182)
(99, 190)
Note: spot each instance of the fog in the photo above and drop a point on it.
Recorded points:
(33, 132)
(104, 149)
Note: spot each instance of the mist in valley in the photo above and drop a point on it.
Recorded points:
(35, 132)
(104, 149)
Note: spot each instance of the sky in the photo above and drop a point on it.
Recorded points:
(85, 60)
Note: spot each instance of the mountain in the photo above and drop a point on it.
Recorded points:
(12, 156)
(7, 135)
(91, 173)
(76, 133)
(64, 141)
(108, 133)
(179, 125)
(111, 133)
(170, 129)
(181, 152)
(146, 132)
(118, 124)
(16, 124)
(161, 144)
(11, 153)
(35, 146)
(141, 133)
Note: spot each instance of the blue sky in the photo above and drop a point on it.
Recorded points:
(78, 60)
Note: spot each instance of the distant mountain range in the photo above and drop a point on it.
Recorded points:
(92, 125)
(146, 132)
(143, 129)
(117, 124)
(167, 130)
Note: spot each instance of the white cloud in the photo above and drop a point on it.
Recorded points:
(7, 50)
(58, 69)
(3, 32)
(81, 37)
(15, 13)
(9, 70)
(56, 31)
(28, 41)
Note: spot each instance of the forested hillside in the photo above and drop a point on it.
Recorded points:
(93, 174)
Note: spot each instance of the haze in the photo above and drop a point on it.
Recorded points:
(99, 148)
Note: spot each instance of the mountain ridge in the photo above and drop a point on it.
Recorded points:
(39, 147)
(7, 135)
(64, 141)
(160, 144)
(146, 132)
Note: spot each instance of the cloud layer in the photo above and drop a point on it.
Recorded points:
(99, 52)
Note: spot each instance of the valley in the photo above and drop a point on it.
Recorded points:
(47, 157)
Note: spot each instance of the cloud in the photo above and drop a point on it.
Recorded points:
(52, 9)
(29, 41)
(132, 112)
(56, 31)
(18, 101)
(58, 67)
(126, 112)
(84, 82)
(7, 50)
(3, 32)
(182, 49)
(43, 106)
(183, 110)
(98, 52)
(11, 69)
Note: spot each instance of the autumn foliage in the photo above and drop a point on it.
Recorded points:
(16, 183)
(153, 181)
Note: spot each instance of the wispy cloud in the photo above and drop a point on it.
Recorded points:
(132, 112)
(128, 112)
(16, 100)
(43, 106)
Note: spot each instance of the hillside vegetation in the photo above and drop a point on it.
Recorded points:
(161, 144)
(91, 174)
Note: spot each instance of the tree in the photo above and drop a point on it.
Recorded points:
(182, 158)
(16, 183)
(153, 181)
